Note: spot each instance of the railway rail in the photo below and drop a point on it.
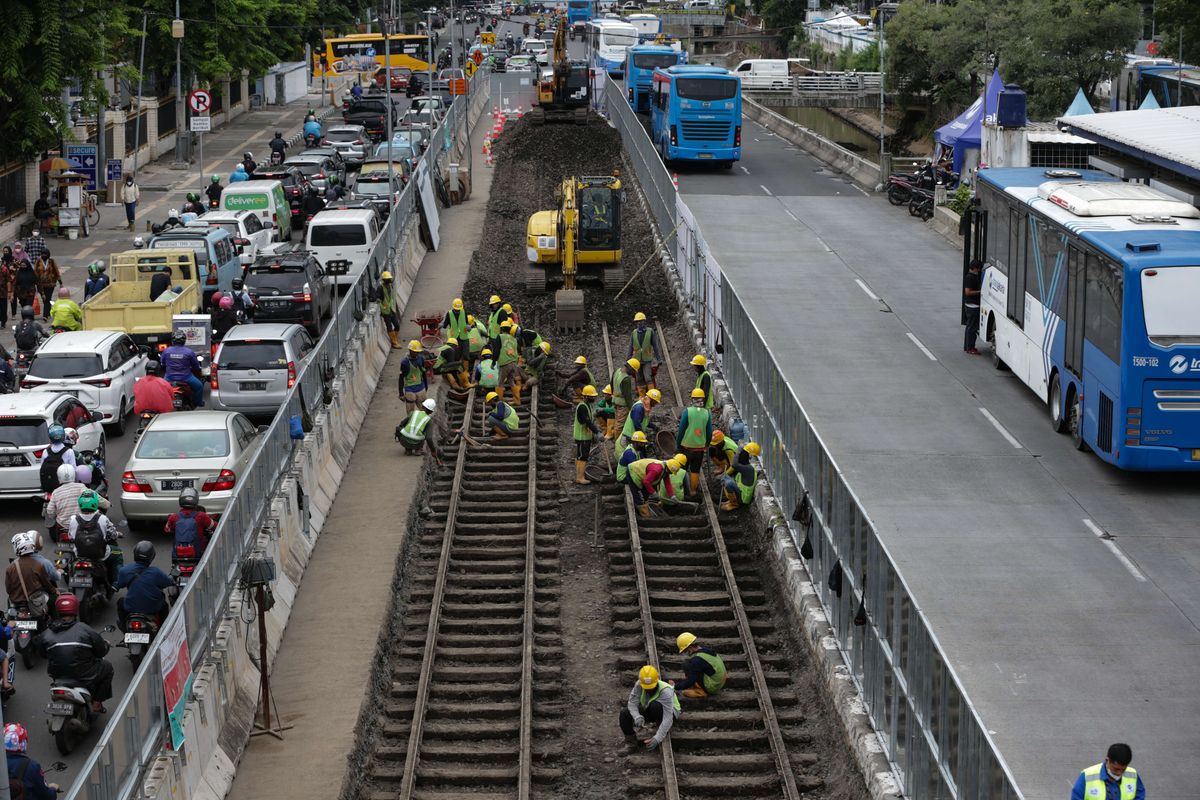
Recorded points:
(481, 631)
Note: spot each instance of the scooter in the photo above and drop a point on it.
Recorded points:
(89, 583)
(184, 559)
(311, 140)
(70, 714)
(140, 630)
(921, 204)
(183, 396)
(25, 627)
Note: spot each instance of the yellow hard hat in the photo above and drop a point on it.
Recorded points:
(386, 276)
(470, 319)
(457, 304)
(507, 308)
(639, 437)
(493, 299)
(699, 360)
(509, 324)
(415, 346)
(673, 464)
(753, 449)
(633, 362)
(607, 389)
(685, 640)
(697, 393)
(647, 677)
(581, 360)
(655, 395)
(639, 316)
(717, 438)
(491, 396)
(588, 391)
(545, 347)
(452, 340)
(487, 351)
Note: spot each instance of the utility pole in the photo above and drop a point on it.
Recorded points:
(882, 160)
(137, 126)
(181, 134)
(429, 38)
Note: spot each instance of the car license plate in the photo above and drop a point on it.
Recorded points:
(706, 155)
(61, 709)
(82, 581)
(137, 638)
(25, 624)
(277, 303)
(177, 484)
(252, 386)
(13, 460)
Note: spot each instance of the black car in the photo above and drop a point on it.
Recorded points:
(371, 113)
(294, 183)
(290, 287)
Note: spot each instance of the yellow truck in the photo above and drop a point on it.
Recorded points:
(126, 303)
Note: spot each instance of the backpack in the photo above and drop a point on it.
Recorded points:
(187, 536)
(89, 539)
(48, 471)
(25, 336)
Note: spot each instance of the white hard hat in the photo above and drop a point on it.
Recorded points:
(65, 473)
(429, 405)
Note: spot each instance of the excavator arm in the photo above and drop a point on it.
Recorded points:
(570, 227)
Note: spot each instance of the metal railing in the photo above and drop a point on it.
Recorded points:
(930, 732)
(138, 724)
(825, 83)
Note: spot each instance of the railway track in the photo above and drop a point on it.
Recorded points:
(681, 573)
(481, 635)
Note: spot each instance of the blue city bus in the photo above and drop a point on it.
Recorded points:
(640, 63)
(1090, 295)
(579, 11)
(696, 114)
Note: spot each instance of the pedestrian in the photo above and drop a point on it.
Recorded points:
(1112, 779)
(36, 246)
(650, 701)
(387, 308)
(413, 378)
(643, 346)
(704, 671)
(8, 274)
(584, 431)
(25, 282)
(971, 293)
(23, 771)
(130, 192)
(48, 279)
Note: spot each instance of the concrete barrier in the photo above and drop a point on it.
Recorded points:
(863, 172)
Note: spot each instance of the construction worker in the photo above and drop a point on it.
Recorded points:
(639, 418)
(449, 364)
(605, 413)
(651, 700)
(635, 450)
(536, 358)
(456, 320)
(503, 418)
(721, 451)
(739, 484)
(644, 347)
(692, 437)
(414, 383)
(584, 431)
(580, 377)
(387, 308)
(508, 359)
(624, 383)
(476, 341)
(704, 380)
(496, 316)
(1111, 779)
(704, 671)
(528, 337)
(676, 483)
(413, 431)
(645, 477)
(487, 374)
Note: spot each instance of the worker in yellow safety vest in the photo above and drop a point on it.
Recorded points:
(1112, 779)
(704, 671)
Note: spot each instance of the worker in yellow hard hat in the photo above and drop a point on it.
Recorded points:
(647, 475)
(455, 322)
(704, 380)
(449, 364)
(650, 701)
(704, 671)
(476, 340)
(605, 413)
(508, 357)
(414, 378)
(579, 376)
(635, 450)
(721, 451)
(624, 383)
(693, 435)
(387, 309)
(644, 347)
(739, 484)
(535, 358)
(496, 315)
(486, 375)
(584, 432)
(502, 417)
(639, 418)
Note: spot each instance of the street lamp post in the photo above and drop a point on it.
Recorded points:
(429, 36)
(181, 135)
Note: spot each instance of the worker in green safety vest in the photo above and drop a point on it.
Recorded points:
(508, 358)
(414, 431)
(503, 418)
(624, 385)
(639, 419)
(647, 476)
(536, 358)
(487, 374)
(455, 321)
(387, 308)
(704, 671)
(579, 377)
(704, 380)
(739, 485)
(635, 450)
(721, 451)
(414, 383)
(1111, 779)
(650, 701)
(449, 364)
(692, 437)
(644, 347)
(496, 316)
(476, 341)
(605, 413)
(583, 432)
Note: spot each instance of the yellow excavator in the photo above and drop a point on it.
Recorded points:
(562, 96)
(581, 238)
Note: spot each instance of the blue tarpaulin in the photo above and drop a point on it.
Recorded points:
(962, 133)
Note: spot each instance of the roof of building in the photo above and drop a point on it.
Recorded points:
(1169, 137)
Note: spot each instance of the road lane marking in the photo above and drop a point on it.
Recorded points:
(765, 189)
(1116, 551)
(864, 287)
(922, 347)
(1003, 432)
(790, 214)
(744, 169)
(864, 193)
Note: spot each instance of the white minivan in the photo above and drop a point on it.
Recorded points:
(763, 73)
(264, 198)
(342, 234)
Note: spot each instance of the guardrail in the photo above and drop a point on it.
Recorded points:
(825, 83)
(926, 724)
(137, 727)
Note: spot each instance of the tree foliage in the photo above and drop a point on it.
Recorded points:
(1175, 19)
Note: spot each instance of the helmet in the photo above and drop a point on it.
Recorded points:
(589, 391)
(178, 337)
(581, 360)
(491, 396)
(507, 308)
(216, 179)
(699, 360)
(655, 395)
(607, 389)
(676, 462)
(279, 135)
(639, 437)
(56, 433)
(753, 449)
(71, 436)
(545, 347)
(717, 437)
(494, 300)
(65, 473)
(192, 197)
(24, 543)
(100, 264)
(386, 276)
(89, 501)
(138, 242)
(685, 640)
(457, 305)
(647, 676)
(225, 303)
(151, 367)
(333, 180)
(64, 292)
(633, 362)
(487, 351)
(174, 212)
(83, 473)
(697, 393)
(414, 346)
(470, 319)
(237, 283)
(16, 738)
(639, 316)
(451, 340)
(65, 605)
(143, 552)
(26, 312)
(247, 156)
(189, 498)
(429, 405)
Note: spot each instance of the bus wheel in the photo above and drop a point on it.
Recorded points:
(1058, 420)
(997, 361)
(1076, 420)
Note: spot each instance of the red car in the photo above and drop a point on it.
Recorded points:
(400, 77)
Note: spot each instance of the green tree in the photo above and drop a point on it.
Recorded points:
(1173, 18)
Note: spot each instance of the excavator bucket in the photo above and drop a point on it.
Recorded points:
(568, 308)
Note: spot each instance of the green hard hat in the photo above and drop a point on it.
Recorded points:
(216, 178)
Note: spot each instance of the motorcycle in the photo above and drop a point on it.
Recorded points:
(183, 564)
(89, 583)
(276, 158)
(70, 714)
(143, 420)
(902, 184)
(921, 204)
(311, 140)
(183, 396)
(25, 627)
(140, 630)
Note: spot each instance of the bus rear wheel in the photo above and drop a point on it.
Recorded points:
(1076, 424)
(1058, 420)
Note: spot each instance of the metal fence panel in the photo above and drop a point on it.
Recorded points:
(12, 190)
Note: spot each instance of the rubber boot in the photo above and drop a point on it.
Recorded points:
(499, 432)
(696, 691)
(643, 510)
(450, 379)
(517, 387)
(731, 502)
(465, 381)
(694, 482)
(395, 337)
(580, 478)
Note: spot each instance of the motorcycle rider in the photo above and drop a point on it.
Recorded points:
(312, 128)
(182, 366)
(152, 393)
(97, 280)
(64, 501)
(222, 318)
(312, 202)
(23, 770)
(26, 579)
(239, 174)
(29, 333)
(92, 535)
(190, 527)
(334, 190)
(193, 204)
(243, 303)
(75, 652)
(65, 313)
(278, 144)
(58, 453)
(143, 584)
(213, 192)
(249, 163)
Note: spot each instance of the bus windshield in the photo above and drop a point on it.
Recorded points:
(619, 39)
(706, 89)
(652, 60)
(1169, 297)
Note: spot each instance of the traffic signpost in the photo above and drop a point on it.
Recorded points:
(200, 102)
(488, 39)
(85, 156)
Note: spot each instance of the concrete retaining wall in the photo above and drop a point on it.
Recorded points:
(861, 171)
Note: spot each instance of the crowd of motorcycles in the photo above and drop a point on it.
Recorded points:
(916, 189)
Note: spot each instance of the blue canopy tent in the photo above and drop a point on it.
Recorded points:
(962, 133)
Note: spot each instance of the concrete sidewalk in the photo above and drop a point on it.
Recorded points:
(319, 688)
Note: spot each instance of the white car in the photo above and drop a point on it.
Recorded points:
(98, 367)
(202, 449)
(247, 230)
(350, 141)
(520, 64)
(25, 420)
(536, 48)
